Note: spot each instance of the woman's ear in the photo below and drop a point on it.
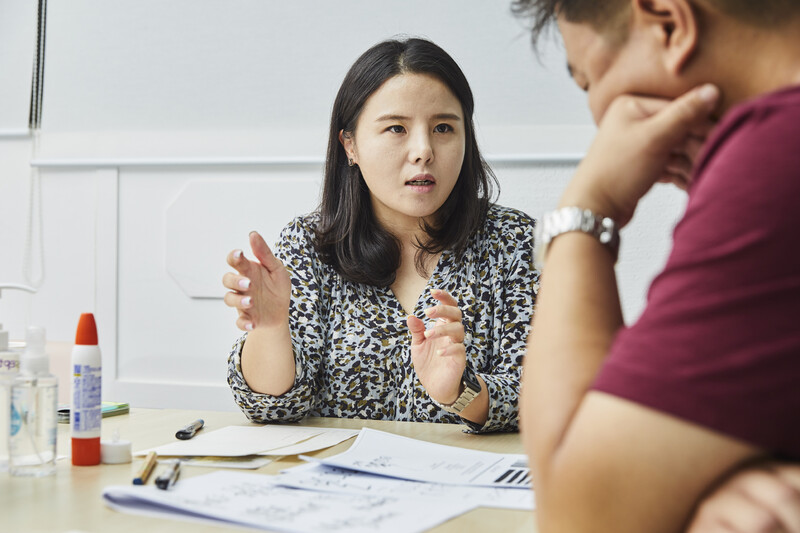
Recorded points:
(346, 139)
(674, 24)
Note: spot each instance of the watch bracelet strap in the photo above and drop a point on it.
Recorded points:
(569, 219)
(463, 400)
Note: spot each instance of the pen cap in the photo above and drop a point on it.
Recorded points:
(34, 360)
(86, 333)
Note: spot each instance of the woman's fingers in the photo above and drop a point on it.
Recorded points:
(457, 351)
(448, 313)
(453, 330)
(237, 260)
(417, 329)
(263, 252)
(444, 297)
(244, 323)
(447, 308)
(239, 301)
(235, 282)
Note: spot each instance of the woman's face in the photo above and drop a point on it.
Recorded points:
(409, 145)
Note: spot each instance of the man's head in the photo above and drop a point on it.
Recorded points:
(610, 17)
(662, 48)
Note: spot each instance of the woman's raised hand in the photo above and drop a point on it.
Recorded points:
(259, 290)
(438, 353)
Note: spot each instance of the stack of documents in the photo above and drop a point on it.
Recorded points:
(401, 485)
(250, 446)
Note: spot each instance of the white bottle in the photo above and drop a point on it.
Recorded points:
(85, 411)
(34, 405)
(9, 367)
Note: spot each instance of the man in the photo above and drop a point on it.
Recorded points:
(628, 428)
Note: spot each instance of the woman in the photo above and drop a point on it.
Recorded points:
(407, 294)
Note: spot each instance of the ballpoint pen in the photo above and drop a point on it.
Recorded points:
(189, 431)
(169, 476)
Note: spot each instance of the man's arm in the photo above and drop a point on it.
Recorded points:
(602, 463)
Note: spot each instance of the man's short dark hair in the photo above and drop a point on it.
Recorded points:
(607, 16)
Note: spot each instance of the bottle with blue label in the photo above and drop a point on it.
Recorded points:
(34, 406)
(9, 368)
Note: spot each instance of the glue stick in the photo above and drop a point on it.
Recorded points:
(85, 412)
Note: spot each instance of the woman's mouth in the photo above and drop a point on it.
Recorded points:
(421, 180)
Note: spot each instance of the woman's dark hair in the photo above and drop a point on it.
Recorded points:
(348, 236)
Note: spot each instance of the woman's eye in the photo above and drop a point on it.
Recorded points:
(443, 128)
(396, 129)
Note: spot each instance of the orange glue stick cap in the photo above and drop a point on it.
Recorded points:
(87, 330)
(86, 452)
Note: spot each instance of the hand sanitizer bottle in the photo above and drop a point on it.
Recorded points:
(9, 367)
(34, 405)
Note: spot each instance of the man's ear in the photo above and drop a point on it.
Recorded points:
(346, 139)
(674, 24)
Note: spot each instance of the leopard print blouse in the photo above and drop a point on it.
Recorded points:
(351, 343)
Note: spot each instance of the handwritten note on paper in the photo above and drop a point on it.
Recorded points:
(255, 500)
(233, 441)
(386, 454)
(316, 476)
(329, 437)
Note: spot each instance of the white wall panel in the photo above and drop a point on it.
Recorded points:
(197, 242)
(171, 129)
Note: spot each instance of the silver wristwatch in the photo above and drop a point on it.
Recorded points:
(472, 387)
(566, 219)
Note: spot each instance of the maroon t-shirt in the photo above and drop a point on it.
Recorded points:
(719, 341)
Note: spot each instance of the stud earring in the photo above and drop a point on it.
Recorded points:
(350, 162)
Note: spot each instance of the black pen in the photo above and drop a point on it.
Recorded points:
(169, 476)
(189, 431)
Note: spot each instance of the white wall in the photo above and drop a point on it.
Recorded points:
(170, 129)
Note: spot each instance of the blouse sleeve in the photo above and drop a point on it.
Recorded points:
(296, 251)
(514, 305)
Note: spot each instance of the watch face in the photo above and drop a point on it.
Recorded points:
(471, 380)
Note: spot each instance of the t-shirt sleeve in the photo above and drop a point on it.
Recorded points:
(295, 250)
(718, 343)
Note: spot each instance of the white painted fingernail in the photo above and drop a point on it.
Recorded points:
(428, 333)
(429, 311)
(249, 326)
(244, 283)
(237, 254)
(246, 300)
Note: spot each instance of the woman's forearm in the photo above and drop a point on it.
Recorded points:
(268, 363)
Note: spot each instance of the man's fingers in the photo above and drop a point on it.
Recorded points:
(681, 116)
(263, 252)
(775, 495)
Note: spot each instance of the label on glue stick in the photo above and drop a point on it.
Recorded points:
(85, 412)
